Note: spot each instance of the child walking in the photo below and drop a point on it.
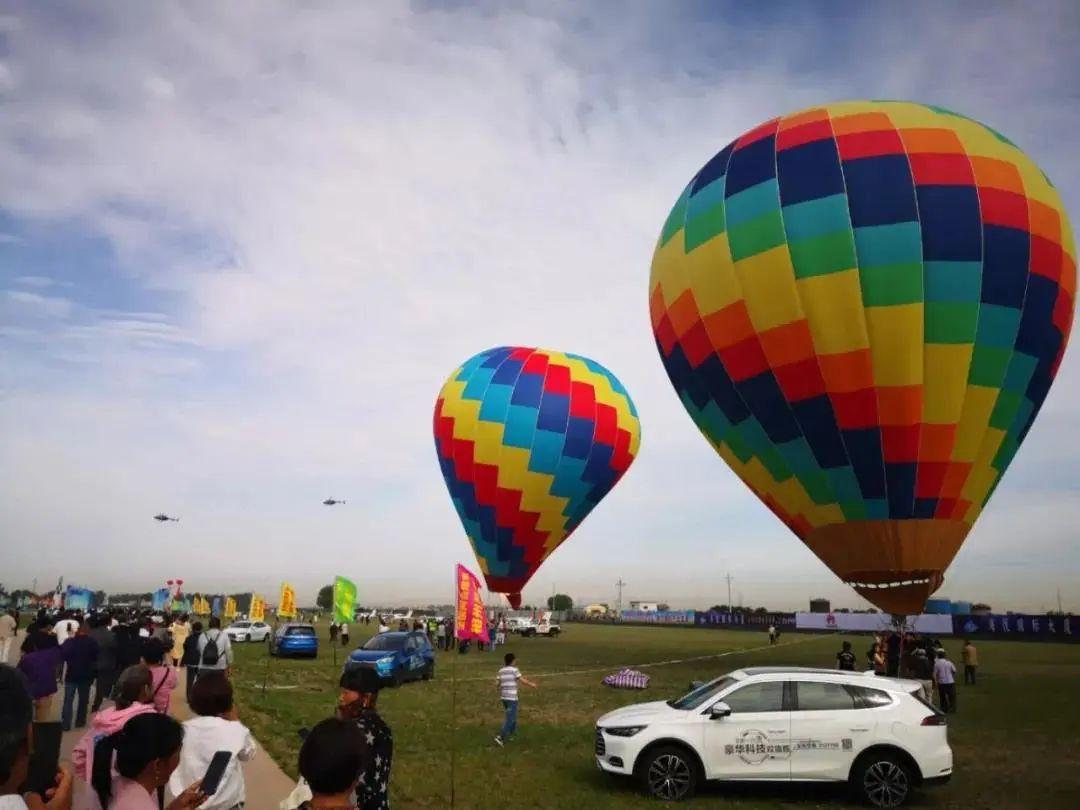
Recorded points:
(507, 683)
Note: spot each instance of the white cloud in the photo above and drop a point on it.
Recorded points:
(342, 204)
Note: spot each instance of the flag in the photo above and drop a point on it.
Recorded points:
(216, 609)
(469, 620)
(230, 608)
(258, 609)
(344, 600)
(287, 602)
(161, 599)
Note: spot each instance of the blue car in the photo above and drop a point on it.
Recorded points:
(295, 639)
(396, 657)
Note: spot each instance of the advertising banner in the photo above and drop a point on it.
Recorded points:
(760, 621)
(658, 616)
(874, 622)
(215, 609)
(258, 609)
(1017, 625)
(161, 599)
(77, 598)
(344, 600)
(230, 608)
(469, 620)
(287, 602)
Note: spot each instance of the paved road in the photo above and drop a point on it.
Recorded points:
(266, 784)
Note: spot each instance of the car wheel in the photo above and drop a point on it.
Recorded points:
(429, 671)
(670, 773)
(882, 780)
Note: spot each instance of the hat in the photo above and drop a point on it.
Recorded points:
(360, 679)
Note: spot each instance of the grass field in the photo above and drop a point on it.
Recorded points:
(1016, 737)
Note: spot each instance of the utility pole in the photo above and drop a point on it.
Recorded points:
(1059, 601)
(620, 585)
(729, 605)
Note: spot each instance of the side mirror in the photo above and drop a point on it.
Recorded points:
(719, 711)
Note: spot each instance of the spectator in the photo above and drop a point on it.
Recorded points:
(383, 627)
(163, 677)
(9, 626)
(892, 655)
(507, 683)
(343, 631)
(80, 654)
(190, 659)
(945, 678)
(216, 728)
(16, 740)
(146, 751)
(970, 657)
(845, 659)
(878, 659)
(128, 646)
(105, 666)
(356, 702)
(134, 696)
(333, 630)
(772, 634)
(65, 628)
(181, 629)
(332, 759)
(39, 666)
(215, 651)
(923, 670)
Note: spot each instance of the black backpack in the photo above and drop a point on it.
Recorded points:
(211, 653)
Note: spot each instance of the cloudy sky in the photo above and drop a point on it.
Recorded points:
(242, 244)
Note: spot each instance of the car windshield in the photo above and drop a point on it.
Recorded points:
(385, 641)
(242, 625)
(300, 631)
(696, 697)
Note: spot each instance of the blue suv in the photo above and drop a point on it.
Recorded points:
(295, 639)
(396, 657)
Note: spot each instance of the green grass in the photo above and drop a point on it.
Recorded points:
(1016, 737)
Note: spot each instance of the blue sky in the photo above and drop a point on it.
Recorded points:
(241, 246)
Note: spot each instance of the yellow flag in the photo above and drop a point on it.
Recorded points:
(258, 609)
(230, 608)
(287, 602)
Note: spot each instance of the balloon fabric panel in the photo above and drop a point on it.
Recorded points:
(529, 442)
(863, 306)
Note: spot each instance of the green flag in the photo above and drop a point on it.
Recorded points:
(344, 599)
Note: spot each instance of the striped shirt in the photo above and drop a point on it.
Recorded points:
(507, 680)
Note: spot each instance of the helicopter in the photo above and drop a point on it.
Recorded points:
(161, 517)
(331, 502)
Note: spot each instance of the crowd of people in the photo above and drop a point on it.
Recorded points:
(920, 658)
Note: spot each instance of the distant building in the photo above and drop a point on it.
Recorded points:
(596, 610)
(981, 609)
(820, 606)
(645, 607)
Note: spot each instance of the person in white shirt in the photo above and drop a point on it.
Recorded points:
(507, 683)
(945, 678)
(8, 628)
(65, 629)
(216, 728)
(208, 661)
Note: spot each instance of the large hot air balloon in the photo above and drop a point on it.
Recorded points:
(863, 306)
(529, 441)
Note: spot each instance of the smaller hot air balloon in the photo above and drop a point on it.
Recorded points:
(529, 442)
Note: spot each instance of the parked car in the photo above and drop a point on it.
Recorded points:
(295, 638)
(783, 724)
(248, 631)
(396, 656)
(527, 628)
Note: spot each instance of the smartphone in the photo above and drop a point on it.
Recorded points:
(45, 758)
(214, 772)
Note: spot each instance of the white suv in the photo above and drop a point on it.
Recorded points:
(783, 724)
(248, 631)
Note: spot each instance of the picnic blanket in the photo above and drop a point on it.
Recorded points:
(627, 679)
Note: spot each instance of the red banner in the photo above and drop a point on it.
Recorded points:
(469, 623)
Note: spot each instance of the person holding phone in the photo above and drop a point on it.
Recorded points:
(215, 730)
(145, 753)
(356, 703)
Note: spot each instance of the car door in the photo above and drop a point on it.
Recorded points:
(753, 741)
(828, 730)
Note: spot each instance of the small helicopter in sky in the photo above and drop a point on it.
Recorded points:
(161, 517)
(331, 502)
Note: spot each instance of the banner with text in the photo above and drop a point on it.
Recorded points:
(344, 600)
(469, 619)
(658, 616)
(1017, 625)
(287, 602)
(258, 609)
(760, 621)
(230, 608)
(874, 622)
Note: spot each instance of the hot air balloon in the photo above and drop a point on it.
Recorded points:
(529, 441)
(863, 306)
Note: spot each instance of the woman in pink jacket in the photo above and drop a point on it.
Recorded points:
(163, 677)
(133, 697)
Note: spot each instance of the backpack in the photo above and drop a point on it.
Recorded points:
(211, 653)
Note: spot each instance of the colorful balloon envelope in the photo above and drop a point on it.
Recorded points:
(863, 306)
(529, 442)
